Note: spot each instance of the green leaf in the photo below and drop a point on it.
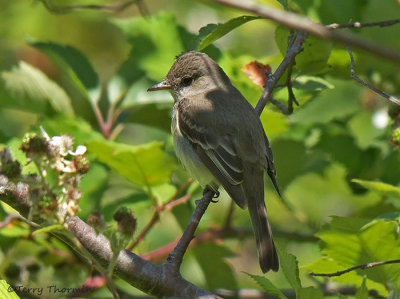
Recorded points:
(274, 123)
(155, 41)
(76, 127)
(330, 194)
(314, 57)
(6, 291)
(379, 187)
(146, 165)
(350, 242)
(47, 229)
(267, 285)
(217, 272)
(365, 132)
(330, 104)
(31, 90)
(362, 292)
(14, 231)
(290, 268)
(212, 32)
(311, 83)
(157, 115)
(309, 292)
(74, 65)
(93, 186)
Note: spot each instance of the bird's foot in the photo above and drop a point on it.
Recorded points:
(216, 193)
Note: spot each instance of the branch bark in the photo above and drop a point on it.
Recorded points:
(300, 23)
(152, 279)
(374, 89)
(273, 79)
(363, 266)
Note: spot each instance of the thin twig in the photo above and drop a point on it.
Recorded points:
(376, 90)
(154, 219)
(362, 25)
(279, 105)
(295, 49)
(300, 23)
(289, 83)
(170, 204)
(175, 258)
(363, 266)
(214, 235)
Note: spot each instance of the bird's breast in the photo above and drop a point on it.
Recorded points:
(188, 156)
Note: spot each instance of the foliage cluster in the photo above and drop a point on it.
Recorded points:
(336, 156)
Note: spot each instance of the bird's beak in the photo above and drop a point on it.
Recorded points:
(160, 86)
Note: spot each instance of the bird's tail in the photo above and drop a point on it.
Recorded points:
(254, 190)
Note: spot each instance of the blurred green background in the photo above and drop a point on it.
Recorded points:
(340, 131)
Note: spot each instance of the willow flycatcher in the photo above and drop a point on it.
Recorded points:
(220, 140)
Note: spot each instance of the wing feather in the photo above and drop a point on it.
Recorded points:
(217, 152)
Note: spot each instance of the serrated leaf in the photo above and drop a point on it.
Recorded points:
(6, 291)
(290, 268)
(33, 91)
(222, 29)
(328, 265)
(267, 285)
(74, 65)
(350, 242)
(379, 187)
(146, 165)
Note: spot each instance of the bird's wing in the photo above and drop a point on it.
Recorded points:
(216, 150)
(271, 166)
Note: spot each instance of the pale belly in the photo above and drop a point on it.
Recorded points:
(190, 160)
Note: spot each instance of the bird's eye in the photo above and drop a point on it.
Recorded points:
(187, 81)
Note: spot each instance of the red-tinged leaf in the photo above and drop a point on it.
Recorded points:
(257, 72)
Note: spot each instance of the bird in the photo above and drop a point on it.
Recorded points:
(220, 140)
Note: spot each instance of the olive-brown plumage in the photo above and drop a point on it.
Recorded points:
(220, 140)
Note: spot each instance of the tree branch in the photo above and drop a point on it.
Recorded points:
(226, 232)
(144, 275)
(156, 216)
(361, 25)
(273, 79)
(300, 23)
(376, 90)
(363, 266)
(175, 258)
